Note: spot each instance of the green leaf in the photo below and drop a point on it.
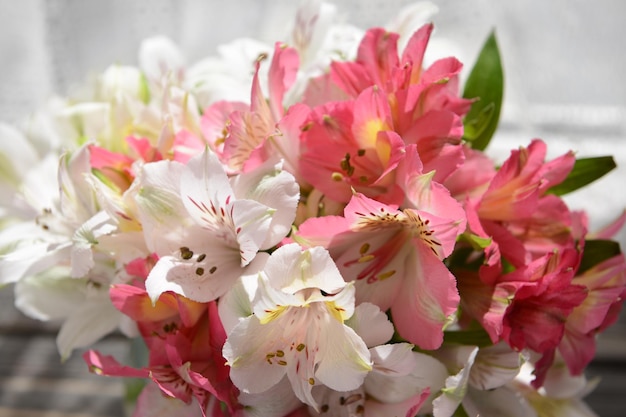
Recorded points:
(477, 242)
(597, 251)
(585, 171)
(486, 84)
(477, 337)
(460, 412)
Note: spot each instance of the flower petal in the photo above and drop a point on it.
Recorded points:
(95, 318)
(423, 308)
(371, 324)
(344, 357)
(274, 188)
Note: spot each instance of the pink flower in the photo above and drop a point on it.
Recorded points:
(606, 287)
(514, 211)
(243, 142)
(544, 299)
(396, 260)
(515, 190)
(351, 145)
(184, 338)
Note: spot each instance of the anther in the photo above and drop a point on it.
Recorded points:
(185, 253)
(201, 257)
(366, 258)
(386, 275)
(199, 271)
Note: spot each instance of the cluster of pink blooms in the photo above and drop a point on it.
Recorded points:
(347, 253)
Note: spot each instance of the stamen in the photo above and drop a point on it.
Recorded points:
(311, 381)
(212, 270)
(300, 347)
(364, 248)
(201, 257)
(199, 271)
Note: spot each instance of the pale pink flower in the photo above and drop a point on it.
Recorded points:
(396, 260)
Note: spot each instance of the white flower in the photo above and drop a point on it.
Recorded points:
(456, 385)
(123, 80)
(298, 328)
(206, 235)
(494, 366)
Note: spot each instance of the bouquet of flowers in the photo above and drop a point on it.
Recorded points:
(310, 228)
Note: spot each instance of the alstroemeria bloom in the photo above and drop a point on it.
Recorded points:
(517, 214)
(606, 285)
(565, 398)
(298, 328)
(393, 388)
(53, 256)
(396, 258)
(545, 296)
(205, 229)
(185, 362)
(425, 103)
(247, 129)
(351, 145)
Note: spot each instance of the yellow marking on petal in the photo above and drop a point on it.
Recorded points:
(370, 132)
(336, 311)
(383, 149)
(272, 314)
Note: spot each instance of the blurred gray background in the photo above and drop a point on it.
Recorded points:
(564, 63)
